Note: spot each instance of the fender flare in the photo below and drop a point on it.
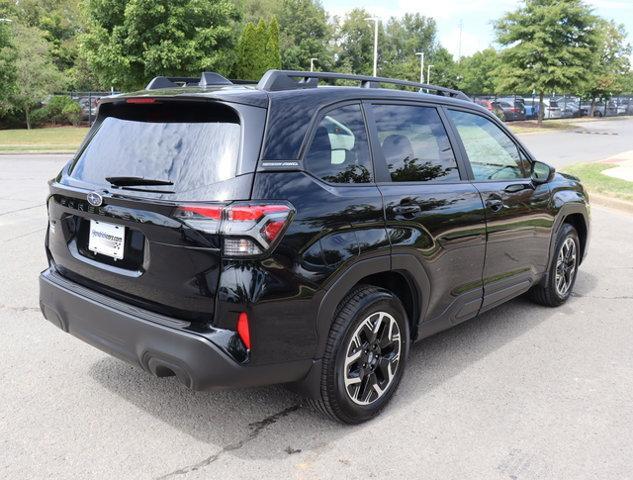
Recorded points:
(566, 210)
(338, 288)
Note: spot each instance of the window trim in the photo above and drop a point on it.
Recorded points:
(521, 149)
(309, 137)
(379, 159)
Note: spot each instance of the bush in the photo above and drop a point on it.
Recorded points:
(72, 113)
(63, 110)
(39, 117)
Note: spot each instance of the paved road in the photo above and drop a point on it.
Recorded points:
(594, 140)
(524, 392)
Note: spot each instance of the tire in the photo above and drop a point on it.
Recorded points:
(357, 316)
(549, 293)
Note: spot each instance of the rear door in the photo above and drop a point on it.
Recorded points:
(113, 223)
(432, 211)
(518, 216)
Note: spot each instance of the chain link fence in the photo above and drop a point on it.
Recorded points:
(88, 101)
(508, 107)
(516, 107)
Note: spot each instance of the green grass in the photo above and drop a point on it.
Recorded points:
(54, 139)
(595, 181)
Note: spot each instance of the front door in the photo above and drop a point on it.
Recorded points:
(518, 217)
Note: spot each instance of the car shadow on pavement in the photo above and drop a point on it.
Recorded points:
(229, 420)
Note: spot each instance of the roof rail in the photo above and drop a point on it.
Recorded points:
(275, 80)
(205, 80)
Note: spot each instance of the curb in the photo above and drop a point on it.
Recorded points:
(611, 202)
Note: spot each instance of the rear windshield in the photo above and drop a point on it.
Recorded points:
(190, 144)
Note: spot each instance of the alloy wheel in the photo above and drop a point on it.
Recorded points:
(565, 266)
(372, 358)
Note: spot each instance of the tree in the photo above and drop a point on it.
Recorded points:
(131, 41)
(611, 63)
(273, 54)
(254, 10)
(61, 22)
(478, 73)
(444, 69)
(35, 74)
(305, 34)
(257, 50)
(550, 44)
(7, 68)
(403, 38)
(355, 40)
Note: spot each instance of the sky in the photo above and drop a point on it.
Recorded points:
(475, 15)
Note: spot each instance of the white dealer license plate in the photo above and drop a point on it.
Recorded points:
(106, 239)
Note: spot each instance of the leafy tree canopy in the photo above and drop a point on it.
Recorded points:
(131, 41)
(477, 73)
(258, 50)
(549, 46)
(305, 34)
(35, 73)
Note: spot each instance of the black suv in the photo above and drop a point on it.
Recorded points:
(248, 234)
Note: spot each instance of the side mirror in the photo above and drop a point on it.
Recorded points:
(542, 172)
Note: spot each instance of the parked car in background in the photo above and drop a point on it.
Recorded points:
(569, 106)
(551, 109)
(531, 108)
(517, 110)
(511, 112)
(492, 106)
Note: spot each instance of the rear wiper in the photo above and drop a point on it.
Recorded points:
(134, 181)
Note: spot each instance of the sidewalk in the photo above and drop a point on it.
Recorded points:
(624, 166)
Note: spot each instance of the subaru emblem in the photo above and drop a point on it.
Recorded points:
(94, 199)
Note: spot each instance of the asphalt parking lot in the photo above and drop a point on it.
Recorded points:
(523, 392)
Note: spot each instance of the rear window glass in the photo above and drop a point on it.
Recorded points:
(191, 145)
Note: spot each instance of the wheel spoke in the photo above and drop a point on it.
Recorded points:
(350, 359)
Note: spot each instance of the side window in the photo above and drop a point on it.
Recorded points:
(492, 155)
(339, 152)
(415, 144)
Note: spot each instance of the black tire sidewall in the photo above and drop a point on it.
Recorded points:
(381, 300)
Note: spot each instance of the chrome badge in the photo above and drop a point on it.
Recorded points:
(94, 199)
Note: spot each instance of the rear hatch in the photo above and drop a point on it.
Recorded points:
(113, 211)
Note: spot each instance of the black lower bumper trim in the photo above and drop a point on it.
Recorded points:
(158, 344)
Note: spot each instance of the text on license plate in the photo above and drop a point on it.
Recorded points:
(107, 239)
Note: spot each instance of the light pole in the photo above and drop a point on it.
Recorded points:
(312, 63)
(375, 20)
(428, 73)
(421, 55)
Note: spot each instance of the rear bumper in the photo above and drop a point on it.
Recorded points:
(160, 345)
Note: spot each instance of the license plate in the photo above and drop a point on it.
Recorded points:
(107, 239)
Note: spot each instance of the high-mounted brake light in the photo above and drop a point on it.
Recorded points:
(140, 100)
(248, 228)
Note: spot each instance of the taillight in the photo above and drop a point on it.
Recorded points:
(247, 228)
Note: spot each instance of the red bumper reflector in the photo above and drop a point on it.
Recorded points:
(243, 330)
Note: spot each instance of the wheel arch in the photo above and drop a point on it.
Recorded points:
(392, 272)
(386, 271)
(578, 221)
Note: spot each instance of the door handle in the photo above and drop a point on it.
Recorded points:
(406, 209)
(494, 203)
(516, 187)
